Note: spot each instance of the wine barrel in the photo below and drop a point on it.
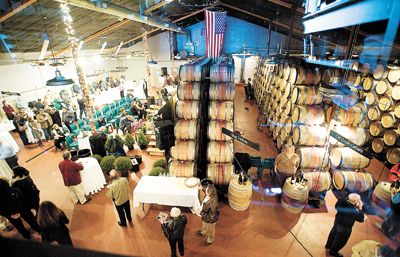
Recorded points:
(220, 173)
(374, 113)
(215, 130)
(345, 157)
(352, 116)
(318, 181)
(218, 151)
(393, 155)
(313, 77)
(397, 110)
(371, 98)
(288, 125)
(389, 120)
(306, 95)
(222, 73)
(182, 169)
(186, 129)
(330, 76)
(355, 135)
(352, 181)
(220, 110)
(369, 84)
(386, 103)
(365, 69)
(391, 137)
(297, 74)
(376, 128)
(188, 110)
(377, 145)
(309, 115)
(288, 90)
(286, 71)
(289, 107)
(383, 87)
(184, 150)
(280, 70)
(381, 198)
(396, 92)
(188, 91)
(352, 79)
(191, 72)
(394, 75)
(355, 66)
(294, 196)
(380, 72)
(239, 196)
(312, 157)
(222, 91)
(309, 135)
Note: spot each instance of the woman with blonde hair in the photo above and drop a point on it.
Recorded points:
(37, 131)
(209, 214)
(52, 221)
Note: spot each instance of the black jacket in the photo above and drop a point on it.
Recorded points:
(29, 191)
(12, 202)
(175, 227)
(58, 233)
(347, 214)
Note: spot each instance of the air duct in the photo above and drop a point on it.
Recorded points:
(122, 12)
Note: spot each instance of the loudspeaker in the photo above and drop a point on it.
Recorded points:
(165, 137)
(164, 71)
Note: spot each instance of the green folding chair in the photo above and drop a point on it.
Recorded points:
(72, 145)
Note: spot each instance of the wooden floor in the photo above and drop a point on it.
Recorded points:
(265, 229)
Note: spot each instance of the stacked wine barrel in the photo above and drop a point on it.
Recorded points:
(220, 113)
(382, 86)
(188, 112)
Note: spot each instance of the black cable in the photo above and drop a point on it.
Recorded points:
(46, 30)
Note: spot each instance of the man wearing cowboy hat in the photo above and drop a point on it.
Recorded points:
(349, 210)
(174, 228)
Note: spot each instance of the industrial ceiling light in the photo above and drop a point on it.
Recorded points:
(58, 80)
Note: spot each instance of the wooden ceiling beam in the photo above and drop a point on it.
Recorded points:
(287, 5)
(156, 6)
(93, 36)
(17, 10)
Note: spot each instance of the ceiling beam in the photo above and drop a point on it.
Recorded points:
(93, 36)
(261, 17)
(287, 5)
(156, 6)
(174, 21)
(17, 10)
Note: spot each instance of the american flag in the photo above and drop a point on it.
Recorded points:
(215, 28)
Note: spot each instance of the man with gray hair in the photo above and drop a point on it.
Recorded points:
(174, 229)
(349, 210)
(72, 178)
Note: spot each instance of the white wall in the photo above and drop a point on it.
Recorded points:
(249, 67)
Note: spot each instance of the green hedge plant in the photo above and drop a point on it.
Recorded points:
(123, 165)
(107, 164)
(160, 163)
(97, 157)
(156, 171)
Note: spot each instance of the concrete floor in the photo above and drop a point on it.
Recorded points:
(265, 229)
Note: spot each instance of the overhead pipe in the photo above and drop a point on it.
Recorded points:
(122, 12)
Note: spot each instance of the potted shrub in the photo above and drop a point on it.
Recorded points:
(129, 141)
(156, 171)
(141, 139)
(97, 157)
(107, 164)
(123, 165)
(114, 145)
(160, 163)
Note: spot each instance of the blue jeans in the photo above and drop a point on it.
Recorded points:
(391, 224)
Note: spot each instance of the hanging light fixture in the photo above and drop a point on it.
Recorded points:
(58, 80)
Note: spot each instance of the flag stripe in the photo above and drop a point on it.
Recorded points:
(215, 28)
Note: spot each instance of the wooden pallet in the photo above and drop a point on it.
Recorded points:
(155, 151)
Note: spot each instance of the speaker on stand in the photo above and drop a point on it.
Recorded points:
(165, 137)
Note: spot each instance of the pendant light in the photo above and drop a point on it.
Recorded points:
(58, 80)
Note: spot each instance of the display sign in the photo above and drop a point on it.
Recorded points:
(9, 93)
(350, 144)
(240, 139)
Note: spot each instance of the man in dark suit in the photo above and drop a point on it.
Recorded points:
(174, 229)
(349, 210)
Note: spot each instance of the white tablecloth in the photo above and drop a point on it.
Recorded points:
(92, 176)
(169, 191)
(5, 170)
(84, 143)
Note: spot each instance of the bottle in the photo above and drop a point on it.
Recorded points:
(240, 181)
(245, 179)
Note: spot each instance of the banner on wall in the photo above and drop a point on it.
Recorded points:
(215, 29)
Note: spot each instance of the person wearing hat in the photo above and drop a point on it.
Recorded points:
(118, 191)
(349, 210)
(371, 248)
(174, 229)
